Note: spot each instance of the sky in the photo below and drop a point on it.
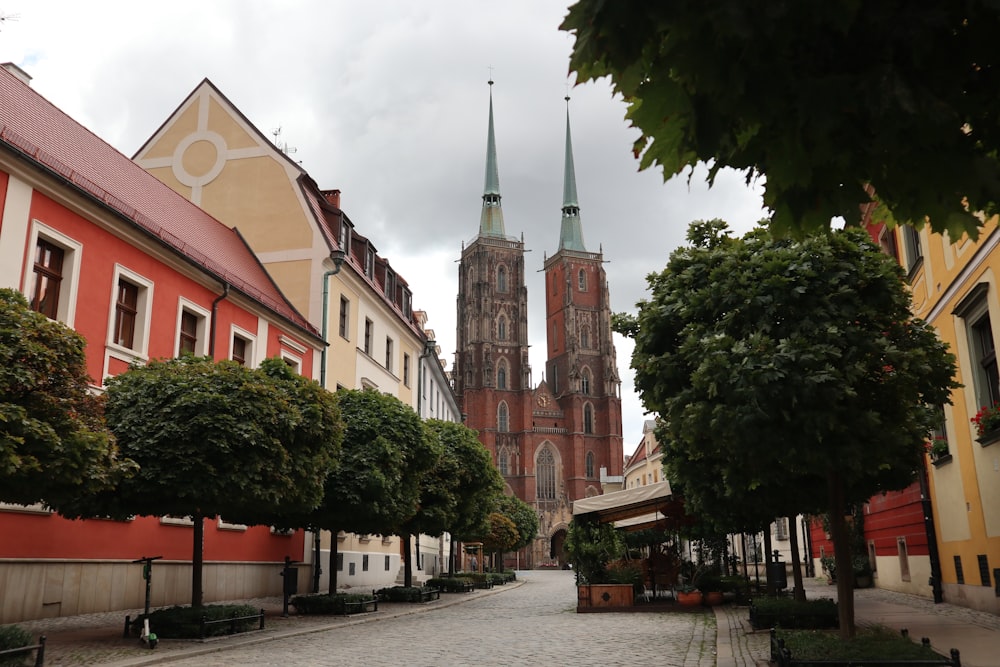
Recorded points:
(388, 102)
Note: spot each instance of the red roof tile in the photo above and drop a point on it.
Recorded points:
(33, 126)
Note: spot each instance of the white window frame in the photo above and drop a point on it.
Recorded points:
(143, 315)
(202, 330)
(222, 524)
(251, 344)
(69, 288)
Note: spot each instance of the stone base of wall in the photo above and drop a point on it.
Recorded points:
(46, 589)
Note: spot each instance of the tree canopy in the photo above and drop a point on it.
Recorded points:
(218, 439)
(819, 99)
(54, 444)
(524, 517)
(789, 375)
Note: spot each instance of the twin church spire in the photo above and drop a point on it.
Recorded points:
(491, 219)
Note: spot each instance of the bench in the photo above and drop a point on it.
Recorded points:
(232, 620)
(39, 656)
(430, 594)
(360, 606)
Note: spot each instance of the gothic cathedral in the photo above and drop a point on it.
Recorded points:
(562, 439)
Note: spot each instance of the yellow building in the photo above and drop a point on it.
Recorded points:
(955, 288)
(210, 153)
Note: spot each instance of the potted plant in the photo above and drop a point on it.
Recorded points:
(987, 422)
(938, 447)
(711, 588)
(862, 571)
(688, 592)
(830, 567)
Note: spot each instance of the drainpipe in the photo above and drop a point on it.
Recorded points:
(337, 257)
(215, 313)
(932, 547)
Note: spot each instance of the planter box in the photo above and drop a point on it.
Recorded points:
(603, 597)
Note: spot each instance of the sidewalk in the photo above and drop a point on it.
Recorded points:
(96, 639)
(975, 634)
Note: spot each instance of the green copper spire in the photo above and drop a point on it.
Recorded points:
(491, 220)
(571, 231)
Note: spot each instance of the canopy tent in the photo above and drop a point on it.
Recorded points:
(634, 509)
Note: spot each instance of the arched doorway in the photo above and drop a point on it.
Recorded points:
(557, 548)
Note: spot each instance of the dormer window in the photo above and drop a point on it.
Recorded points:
(370, 262)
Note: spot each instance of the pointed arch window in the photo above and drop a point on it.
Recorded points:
(502, 279)
(502, 328)
(545, 475)
(585, 338)
(503, 417)
(585, 382)
(581, 280)
(503, 462)
(590, 464)
(502, 375)
(588, 418)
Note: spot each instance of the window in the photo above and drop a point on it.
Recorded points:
(588, 418)
(959, 572)
(871, 556)
(51, 280)
(581, 280)
(585, 338)
(503, 415)
(979, 331)
(585, 382)
(242, 352)
(340, 562)
(590, 464)
(368, 336)
(126, 312)
(502, 375)
(407, 305)
(781, 528)
(192, 329)
(370, 262)
(364, 563)
(345, 317)
(406, 369)
(387, 561)
(388, 354)
(189, 333)
(502, 328)
(48, 279)
(502, 279)
(984, 569)
(911, 242)
(545, 475)
(904, 559)
(503, 462)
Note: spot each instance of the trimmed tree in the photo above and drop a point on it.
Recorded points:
(54, 445)
(788, 374)
(821, 100)
(218, 439)
(524, 517)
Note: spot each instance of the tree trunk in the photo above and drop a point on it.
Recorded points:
(768, 559)
(317, 566)
(197, 560)
(407, 566)
(841, 555)
(333, 561)
(793, 544)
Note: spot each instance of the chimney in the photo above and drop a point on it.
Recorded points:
(24, 77)
(332, 197)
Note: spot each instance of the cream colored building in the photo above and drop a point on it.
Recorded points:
(209, 152)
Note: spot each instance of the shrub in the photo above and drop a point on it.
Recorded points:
(449, 584)
(14, 636)
(789, 613)
(870, 644)
(402, 593)
(626, 572)
(185, 622)
(330, 604)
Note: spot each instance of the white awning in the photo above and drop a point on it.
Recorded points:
(620, 506)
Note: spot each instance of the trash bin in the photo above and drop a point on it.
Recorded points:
(776, 573)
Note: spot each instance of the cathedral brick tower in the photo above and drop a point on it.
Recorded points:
(555, 442)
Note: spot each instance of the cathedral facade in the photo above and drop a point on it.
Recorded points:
(559, 440)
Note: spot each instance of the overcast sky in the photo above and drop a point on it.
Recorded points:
(388, 101)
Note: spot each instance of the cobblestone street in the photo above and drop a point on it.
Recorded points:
(534, 624)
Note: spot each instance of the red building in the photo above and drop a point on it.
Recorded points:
(99, 244)
(562, 439)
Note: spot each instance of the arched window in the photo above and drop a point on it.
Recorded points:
(502, 375)
(501, 279)
(588, 418)
(590, 464)
(545, 475)
(502, 328)
(585, 382)
(585, 338)
(503, 418)
(503, 462)
(581, 279)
